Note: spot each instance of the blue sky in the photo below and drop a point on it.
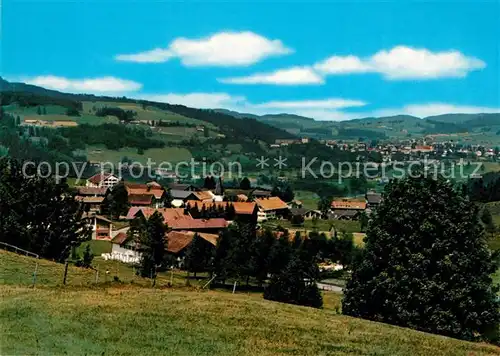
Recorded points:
(330, 60)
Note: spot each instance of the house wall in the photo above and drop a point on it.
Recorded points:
(116, 248)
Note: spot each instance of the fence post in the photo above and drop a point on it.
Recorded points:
(97, 274)
(65, 272)
(234, 287)
(34, 273)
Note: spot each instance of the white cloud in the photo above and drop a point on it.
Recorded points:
(289, 76)
(341, 65)
(432, 109)
(220, 49)
(157, 55)
(86, 85)
(403, 62)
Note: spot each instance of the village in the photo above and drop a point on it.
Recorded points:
(410, 148)
(188, 210)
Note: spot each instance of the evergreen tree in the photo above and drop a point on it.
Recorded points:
(38, 214)
(39, 111)
(87, 258)
(150, 235)
(209, 183)
(279, 254)
(260, 256)
(245, 184)
(296, 284)
(116, 203)
(489, 224)
(324, 206)
(199, 255)
(426, 264)
(224, 262)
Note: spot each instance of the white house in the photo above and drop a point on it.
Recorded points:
(102, 180)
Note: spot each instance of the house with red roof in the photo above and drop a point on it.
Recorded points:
(178, 219)
(150, 194)
(271, 208)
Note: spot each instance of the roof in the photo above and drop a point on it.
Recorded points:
(302, 211)
(241, 197)
(140, 199)
(92, 191)
(244, 208)
(168, 213)
(120, 238)
(373, 198)
(347, 213)
(348, 204)
(204, 195)
(154, 184)
(89, 200)
(211, 238)
(176, 219)
(181, 194)
(98, 178)
(188, 223)
(179, 240)
(100, 217)
(271, 203)
(157, 193)
(261, 193)
(181, 186)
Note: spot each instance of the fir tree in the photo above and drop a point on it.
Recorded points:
(426, 264)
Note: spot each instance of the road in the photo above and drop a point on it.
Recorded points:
(329, 287)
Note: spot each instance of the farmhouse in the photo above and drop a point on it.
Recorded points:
(90, 203)
(271, 208)
(177, 219)
(149, 195)
(102, 180)
(102, 228)
(92, 192)
(347, 209)
(307, 214)
(373, 200)
(179, 241)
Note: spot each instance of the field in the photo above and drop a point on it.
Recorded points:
(309, 199)
(320, 225)
(149, 113)
(127, 319)
(168, 154)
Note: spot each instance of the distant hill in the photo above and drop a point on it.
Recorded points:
(267, 128)
(32, 95)
(464, 118)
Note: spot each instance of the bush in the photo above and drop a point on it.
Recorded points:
(293, 285)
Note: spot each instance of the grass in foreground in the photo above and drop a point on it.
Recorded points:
(139, 321)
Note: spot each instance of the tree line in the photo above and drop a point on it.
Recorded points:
(39, 214)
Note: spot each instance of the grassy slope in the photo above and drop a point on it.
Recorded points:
(132, 321)
(125, 319)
